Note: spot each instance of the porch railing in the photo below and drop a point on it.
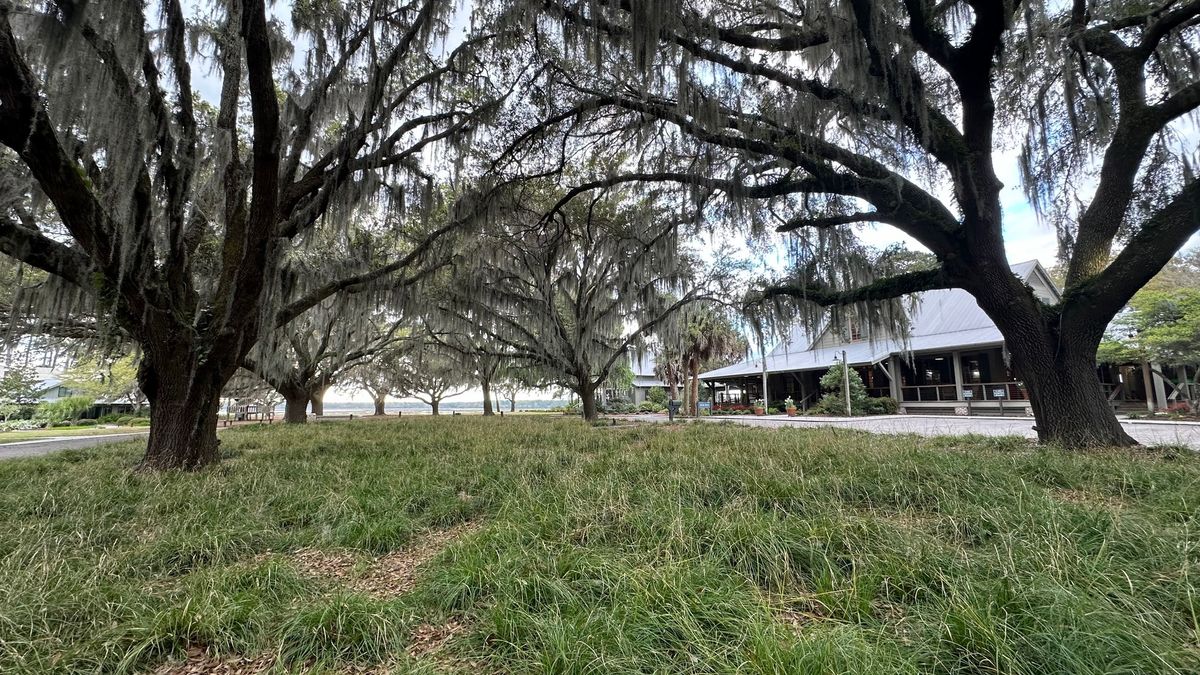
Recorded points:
(985, 391)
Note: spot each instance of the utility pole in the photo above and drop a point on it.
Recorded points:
(846, 382)
(762, 347)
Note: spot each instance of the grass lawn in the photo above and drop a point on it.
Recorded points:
(54, 432)
(546, 545)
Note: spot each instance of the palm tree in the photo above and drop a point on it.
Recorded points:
(709, 337)
(669, 367)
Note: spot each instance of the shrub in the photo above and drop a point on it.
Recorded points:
(21, 425)
(656, 395)
(829, 404)
(140, 422)
(61, 423)
(883, 405)
(110, 418)
(124, 420)
(68, 408)
(833, 381)
(618, 408)
(86, 423)
(651, 407)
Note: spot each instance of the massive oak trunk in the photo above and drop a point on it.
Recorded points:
(587, 401)
(512, 405)
(1055, 356)
(295, 404)
(184, 402)
(487, 397)
(1068, 402)
(435, 403)
(379, 403)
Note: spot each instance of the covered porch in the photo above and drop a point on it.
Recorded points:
(971, 381)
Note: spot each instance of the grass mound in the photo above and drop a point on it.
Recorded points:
(545, 544)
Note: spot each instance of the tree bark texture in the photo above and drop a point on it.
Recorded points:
(1055, 357)
(183, 415)
(488, 410)
(587, 402)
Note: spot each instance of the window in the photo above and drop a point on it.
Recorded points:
(855, 331)
(47, 359)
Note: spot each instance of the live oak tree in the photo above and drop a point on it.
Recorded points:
(814, 117)
(377, 376)
(570, 287)
(305, 358)
(175, 215)
(473, 348)
(510, 387)
(428, 372)
(19, 390)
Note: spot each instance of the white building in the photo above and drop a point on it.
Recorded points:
(48, 359)
(953, 362)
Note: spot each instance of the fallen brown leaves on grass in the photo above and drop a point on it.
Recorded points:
(200, 662)
(429, 639)
(387, 576)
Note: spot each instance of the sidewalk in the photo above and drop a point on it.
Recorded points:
(1156, 432)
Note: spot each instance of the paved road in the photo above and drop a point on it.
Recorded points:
(1148, 433)
(42, 446)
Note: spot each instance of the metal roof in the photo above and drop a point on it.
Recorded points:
(941, 319)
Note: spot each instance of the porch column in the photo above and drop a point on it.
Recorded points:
(1160, 387)
(1149, 384)
(958, 378)
(894, 383)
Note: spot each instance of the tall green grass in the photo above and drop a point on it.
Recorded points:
(689, 548)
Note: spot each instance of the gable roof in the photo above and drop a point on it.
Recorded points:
(941, 319)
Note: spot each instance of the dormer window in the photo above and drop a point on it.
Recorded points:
(855, 331)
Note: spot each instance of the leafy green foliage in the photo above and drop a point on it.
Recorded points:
(620, 376)
(19, 388)
(834, 402)
(105, 379)
(657, 395)
(63, 409)
(696, 548)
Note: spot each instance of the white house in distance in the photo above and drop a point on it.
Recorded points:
(644, 377)
(953, 362)
(48, 361)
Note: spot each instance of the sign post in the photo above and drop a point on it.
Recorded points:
(967, 395)
(999, 395)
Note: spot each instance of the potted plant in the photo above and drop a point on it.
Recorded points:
(790, 405)
(760, 407)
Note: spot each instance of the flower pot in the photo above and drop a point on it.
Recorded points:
(760, 411)
(791, 411)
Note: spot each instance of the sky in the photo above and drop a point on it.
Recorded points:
(1026, 236)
